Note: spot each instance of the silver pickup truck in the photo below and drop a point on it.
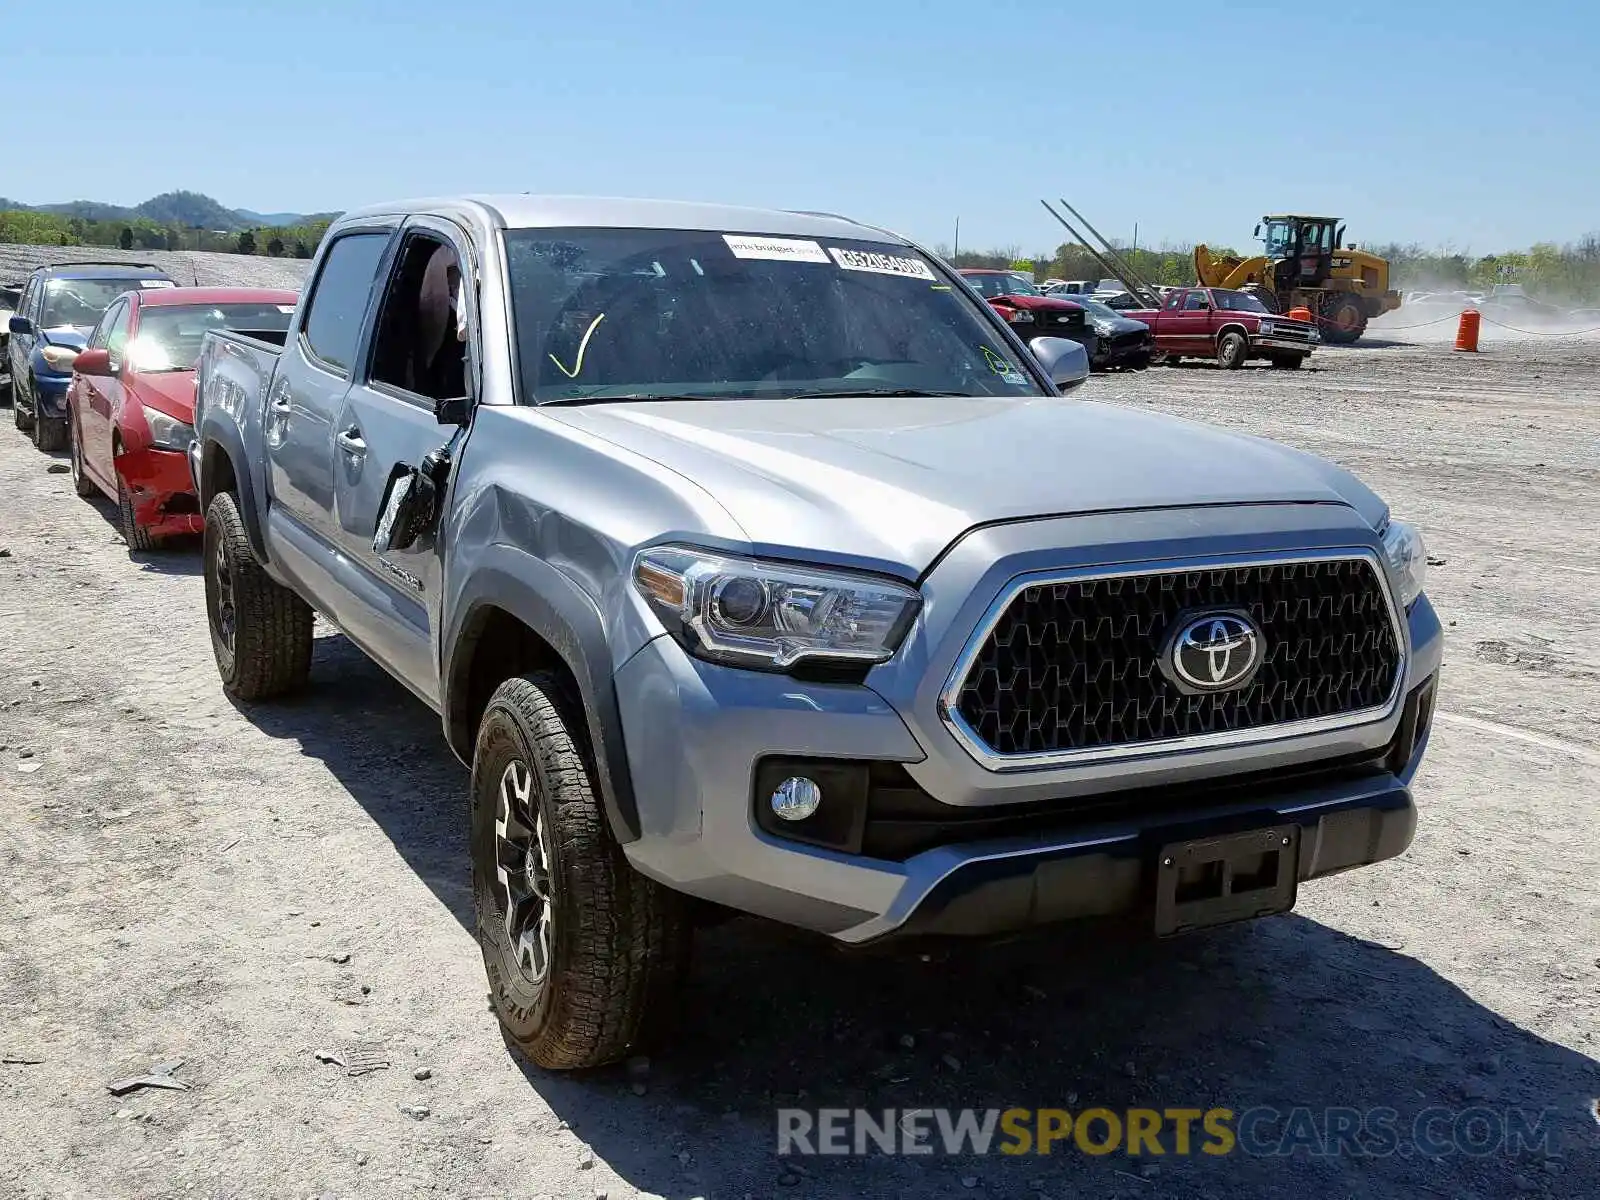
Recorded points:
(752, 563)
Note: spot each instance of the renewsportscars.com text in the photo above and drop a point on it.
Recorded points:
(1150, 1132)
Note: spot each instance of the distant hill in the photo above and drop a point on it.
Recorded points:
(188, 209)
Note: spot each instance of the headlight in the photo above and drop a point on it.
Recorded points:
(1408, 559)
(58, 358)
(168, 433)
(1267, 327)
(1020, 316)
(762, 614)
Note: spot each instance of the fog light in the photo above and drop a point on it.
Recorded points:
(796, 798)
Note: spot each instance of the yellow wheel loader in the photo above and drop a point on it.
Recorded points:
(1307, 265)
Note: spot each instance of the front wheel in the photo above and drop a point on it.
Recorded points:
(49, 433)
(1288, 362)
(582, 952)
(1232, 350)
(260, 630)
(1344, 320)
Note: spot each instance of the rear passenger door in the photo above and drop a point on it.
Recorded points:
(302, 402)
(421, 353)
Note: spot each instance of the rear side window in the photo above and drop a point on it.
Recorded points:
(333, 324)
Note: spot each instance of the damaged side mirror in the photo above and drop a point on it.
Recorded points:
(408, 510)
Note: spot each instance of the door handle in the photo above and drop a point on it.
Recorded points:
(350, 441)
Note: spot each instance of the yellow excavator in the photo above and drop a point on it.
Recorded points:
(1307, 265)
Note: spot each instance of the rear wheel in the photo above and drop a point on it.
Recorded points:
(81, 483)
(22, 420)
(260, 630)
(1344, 319)
(584, 954)
(1232, 350)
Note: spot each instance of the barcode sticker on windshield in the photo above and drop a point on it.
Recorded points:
(286, 308)
(881, 264)
(156, 283)
(775, 249)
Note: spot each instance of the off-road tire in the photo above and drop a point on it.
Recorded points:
(135, 534)
(1332, 314)
(81, 483)
(619, 942)
(1232, 350)
(272, 627)
(1288, 362)
(49, 433)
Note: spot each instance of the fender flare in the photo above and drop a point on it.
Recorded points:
(566, 619)
(220, 439)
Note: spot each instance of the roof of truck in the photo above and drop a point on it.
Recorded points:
(523, 211)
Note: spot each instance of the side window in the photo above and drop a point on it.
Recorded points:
(339, 299)
(421, 345)
(116, 332)
(1196, 302)
(97, 340)
(1173, 301)
(28, 297)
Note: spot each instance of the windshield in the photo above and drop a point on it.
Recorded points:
(1103, 311)
(1238, 301)
(646, 313)
(170, 334)
(1002, 283)
(80, 301)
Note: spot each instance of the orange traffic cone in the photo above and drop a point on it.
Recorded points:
(1467, 331)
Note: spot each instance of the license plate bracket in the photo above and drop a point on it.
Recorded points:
(1228, 877)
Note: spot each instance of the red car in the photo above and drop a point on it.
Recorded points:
(130, 406)
(1029, 311)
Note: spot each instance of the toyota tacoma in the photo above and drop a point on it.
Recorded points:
(751, 562)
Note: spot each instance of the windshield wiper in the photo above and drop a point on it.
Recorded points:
(842, 394)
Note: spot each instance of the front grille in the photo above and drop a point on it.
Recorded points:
(1295, 331)
(1073, 666)
(1128, 341)
(1062, 320)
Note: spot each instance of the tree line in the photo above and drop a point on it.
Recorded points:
(1568, 273)
(52, 229)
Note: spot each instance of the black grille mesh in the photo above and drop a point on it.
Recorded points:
(1075, 665)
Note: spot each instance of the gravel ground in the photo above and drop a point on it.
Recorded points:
(243, 889)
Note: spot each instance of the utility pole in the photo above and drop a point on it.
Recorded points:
(956, 252)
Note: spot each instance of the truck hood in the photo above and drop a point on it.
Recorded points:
(1036, 302)
(890, 482)
(1116, 325)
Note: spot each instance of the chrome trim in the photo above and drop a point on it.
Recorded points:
(950, 696)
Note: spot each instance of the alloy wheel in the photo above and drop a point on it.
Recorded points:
(522, 870)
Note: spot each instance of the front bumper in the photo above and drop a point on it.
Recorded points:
(1299, 345)
(1007, 849)
(49, 395)
(163, 494)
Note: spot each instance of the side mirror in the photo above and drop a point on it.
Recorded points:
(1065, 361)
(94, 362)
(452, 411)
(21, 325)
(408, 510)
(1257, 233)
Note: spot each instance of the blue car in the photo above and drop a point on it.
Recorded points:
(59, 309)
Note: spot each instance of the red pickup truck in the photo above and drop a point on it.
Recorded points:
(1230, 327)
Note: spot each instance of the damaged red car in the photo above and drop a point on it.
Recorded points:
(130, 406)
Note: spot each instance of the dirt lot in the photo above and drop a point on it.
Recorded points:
(243, 889)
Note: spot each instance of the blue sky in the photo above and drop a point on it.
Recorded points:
(1472, 124)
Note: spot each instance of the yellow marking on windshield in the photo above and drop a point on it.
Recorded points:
(582, 347)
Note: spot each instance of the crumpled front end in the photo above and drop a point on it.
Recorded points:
(162, 492)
